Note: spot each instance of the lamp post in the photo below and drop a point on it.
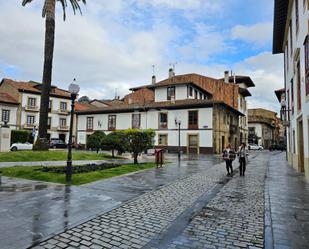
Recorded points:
(74, 90)
(178, 123)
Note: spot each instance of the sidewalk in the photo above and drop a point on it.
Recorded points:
(287, 200)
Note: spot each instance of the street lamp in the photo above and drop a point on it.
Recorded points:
(74, 90)
(178, 123)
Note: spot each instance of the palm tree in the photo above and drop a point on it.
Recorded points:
(48, 12)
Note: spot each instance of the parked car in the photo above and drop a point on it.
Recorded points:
(57, 144)
(255, 147)
(281, 147)
(21, 146)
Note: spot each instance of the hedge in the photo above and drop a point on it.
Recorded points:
(21, 136)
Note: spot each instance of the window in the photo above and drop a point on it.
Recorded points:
(292, 96)
(205, 97)
(50, 104)
(195, 94)
(32, 103)
(190, 91)
(63, 122)
(136, 121)
(111, 122)
(162, 139)
(170, 93)
(162, 120)
(63, 106)
(307, 64)
(5, 115)
(298, 86)
(201, 96)
(289, 105)
(30, 120)
(49, 122)
(291, 37)
(297, 15)
(89, 125)
(193, 119)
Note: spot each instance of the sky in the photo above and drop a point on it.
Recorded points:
(114, 44)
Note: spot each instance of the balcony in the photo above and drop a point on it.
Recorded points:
(63, 111)
(32, 108)
(28, 126)
(63, 128)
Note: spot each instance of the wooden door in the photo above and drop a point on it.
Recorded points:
(301, 166)
(193, 144)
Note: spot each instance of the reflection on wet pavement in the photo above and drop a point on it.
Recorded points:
(30, 211)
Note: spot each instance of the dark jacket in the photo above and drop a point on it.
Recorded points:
(228, 155)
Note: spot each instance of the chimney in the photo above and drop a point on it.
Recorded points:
(153, 79)
(171, 73)
(226, 76)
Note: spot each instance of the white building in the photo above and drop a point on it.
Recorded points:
(291, 38)
(8, 110)
(26, 116)
(207, 122)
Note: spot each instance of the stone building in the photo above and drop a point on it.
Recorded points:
(263, 127)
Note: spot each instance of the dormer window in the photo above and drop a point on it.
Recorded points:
(171, 92)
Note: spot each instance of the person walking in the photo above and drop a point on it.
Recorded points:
(229, 156)
(242, 154)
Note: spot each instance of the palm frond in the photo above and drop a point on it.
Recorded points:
(26, 2)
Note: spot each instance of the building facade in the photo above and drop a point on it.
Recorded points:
(291, 29)
(263, 127)
(206, 108)
(27, 96)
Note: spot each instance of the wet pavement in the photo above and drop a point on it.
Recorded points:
(288, 203)
(191, 204)
(30, 211)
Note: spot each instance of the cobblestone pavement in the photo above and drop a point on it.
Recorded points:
(136, 223)
(234, 218)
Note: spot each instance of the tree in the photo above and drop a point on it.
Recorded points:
(138, 141)
(94, 141)
(84, 99)
(48, 12)
(114, 141)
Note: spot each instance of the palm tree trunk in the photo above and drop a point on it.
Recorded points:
(48, 65)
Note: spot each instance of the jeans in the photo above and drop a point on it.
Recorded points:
(229, 166)
(242, 167)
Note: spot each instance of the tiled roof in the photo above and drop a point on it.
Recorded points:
(34, 87)
(178, 104)
(6, 98)
(84, 107)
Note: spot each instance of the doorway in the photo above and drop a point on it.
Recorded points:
(193, 144)
(62, 137)
(301, 161)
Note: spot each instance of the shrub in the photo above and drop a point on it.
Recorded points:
(21, 136)
(138, 141)
(80, 169)
(114, 141)
(94, 140)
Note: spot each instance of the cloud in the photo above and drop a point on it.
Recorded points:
(266, 70)
(114, 45)
(259, 34)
